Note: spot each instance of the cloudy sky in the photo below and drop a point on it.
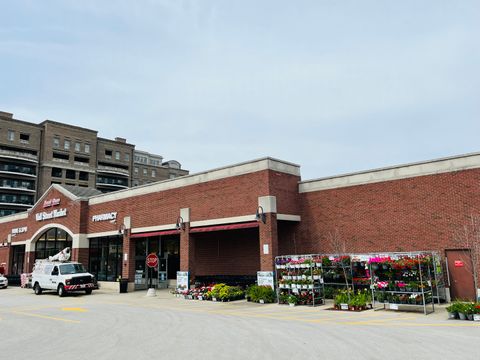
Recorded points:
(335, 86)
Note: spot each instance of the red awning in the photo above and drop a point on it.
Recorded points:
(225, 227)
(155, 233)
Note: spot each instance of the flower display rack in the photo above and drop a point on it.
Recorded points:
(403, 280)
(299, 280)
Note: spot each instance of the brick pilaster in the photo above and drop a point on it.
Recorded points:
(187, 251)
(268, 236)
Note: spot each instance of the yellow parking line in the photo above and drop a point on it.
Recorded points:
(376, 322)
(45, 317)
(75, 309)
(434, 325)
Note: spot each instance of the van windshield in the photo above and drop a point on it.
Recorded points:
(67, 269)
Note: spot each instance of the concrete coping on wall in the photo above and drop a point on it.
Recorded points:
(397, 172)
(243, 168)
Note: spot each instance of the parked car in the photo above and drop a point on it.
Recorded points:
(3, 282)
(62, 277)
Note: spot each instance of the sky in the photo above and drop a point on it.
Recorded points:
(334, 86)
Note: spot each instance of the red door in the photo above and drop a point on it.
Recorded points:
(460, 270)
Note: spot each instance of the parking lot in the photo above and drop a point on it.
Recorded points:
(131, 326)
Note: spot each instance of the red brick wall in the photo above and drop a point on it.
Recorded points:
(233, 252)
(420, 213)
(71, 221)
(4, 258)
(235, 196)
(285, 188)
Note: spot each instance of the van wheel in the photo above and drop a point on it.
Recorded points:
(37, 289)
(88, 291)
(61, 290)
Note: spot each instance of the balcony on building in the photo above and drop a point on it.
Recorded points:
(16, 200)
(17, 170)
(16, 154)
(108, 183)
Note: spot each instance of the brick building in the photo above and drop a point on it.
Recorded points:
(35, 156)
(207, 223)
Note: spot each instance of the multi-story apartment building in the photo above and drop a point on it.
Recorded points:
(149, 168)
(34, 156)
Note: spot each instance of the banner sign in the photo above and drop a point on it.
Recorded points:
(183, 282)
(265, 278)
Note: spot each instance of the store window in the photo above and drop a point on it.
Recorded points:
(51, 242)
(106, 258)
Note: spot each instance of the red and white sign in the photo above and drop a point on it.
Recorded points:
(459, 263)
(152, 260)
(51, 202)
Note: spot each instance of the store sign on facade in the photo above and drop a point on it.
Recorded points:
(19, 230)
(105, 217)
(51, 215)
(51, 202)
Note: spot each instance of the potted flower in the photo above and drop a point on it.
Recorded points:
(462, 309)
(292, 300)
(453, 310)
(476, 315)
(470, 310)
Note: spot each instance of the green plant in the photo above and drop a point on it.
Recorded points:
(343, 297)
(256, 293)
(292, 299)
(326, 261)
(455, 307)
(224, 292)
(330, 292)
(283, 298)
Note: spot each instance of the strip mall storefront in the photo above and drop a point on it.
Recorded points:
(232, 222)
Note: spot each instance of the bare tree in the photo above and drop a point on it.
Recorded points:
(339, 247)
(468, 238)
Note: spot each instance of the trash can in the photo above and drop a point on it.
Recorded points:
(123, 286)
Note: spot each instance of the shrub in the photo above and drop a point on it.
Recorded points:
(256, 293)
(224, 292)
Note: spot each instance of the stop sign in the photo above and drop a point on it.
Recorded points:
(152, 260)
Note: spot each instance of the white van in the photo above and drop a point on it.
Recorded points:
(62, 277)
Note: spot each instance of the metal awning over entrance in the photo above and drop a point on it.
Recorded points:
(225, 227)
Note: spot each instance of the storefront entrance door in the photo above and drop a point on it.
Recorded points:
(167, 250)
(460, 270)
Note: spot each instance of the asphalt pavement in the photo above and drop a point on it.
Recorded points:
(132, 326)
